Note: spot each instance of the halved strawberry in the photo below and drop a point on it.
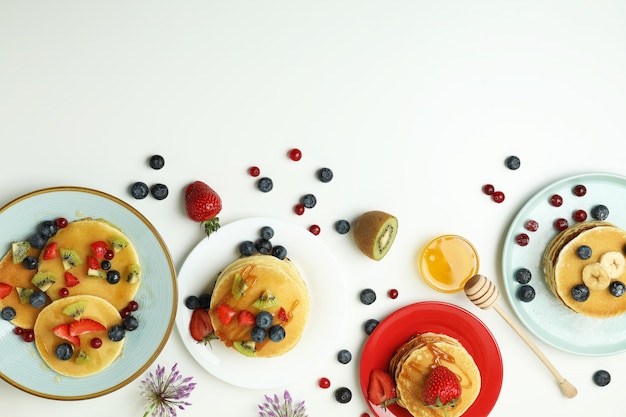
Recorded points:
(381, 390)
(225, 314)
(282, 315)
(70, 280)
(99, 249)
(63, 331)
(93, 267)
(200, 326)
(84, 326)
(5, 289)
(50, 252)
(246, 318)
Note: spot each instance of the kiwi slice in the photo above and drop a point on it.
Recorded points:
(70, 258)
(19, 251)
(246, 348)
(239, 286)
(75, 310)
(43, 280)
(24, 294)
(374, 233)
(82, 357)
(133, 274)
(266, 300)
(118, 243)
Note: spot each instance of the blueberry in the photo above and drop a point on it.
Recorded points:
(308, 201)
(601, 378)
(130, 323)
(264, 320)
(192, 302)
(526, 293)
(580, 292)
(263, 246)
(325, 174)
(367, 296)
(512, 162)
(37, 241)
(343, 395)
(344, 356)
(600, 212)
(47, 229)
(342, 226)
(116, 332)
(276, 333)
(113, 276)
(205, 300)
(258, 334)
(265, 184)
(617, 288)
(139, 190)
(523, 275)
(156, 162)
(159, 191)
(37, 299)
(584, 252)
(64, 351)
(279, 252)
(7, 313)
(105, 264)
(370, 325)
(247, 248)
(267, 232)
(30, 262)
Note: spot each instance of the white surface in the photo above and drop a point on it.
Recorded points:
(413, 104)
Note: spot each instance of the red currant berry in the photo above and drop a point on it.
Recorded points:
(254, 171)
(497, 196)
(393, 293)
(96, 343)
(561, 224)
(132, 305)
(28, 335)
(125, 312)
(64, 292)
(556, 200)
(295, 154)
(522, 239)
(531, 225)
(315, 229)
(580, 215)
(18, 331)
(324, 383)
(61, 222)
(365, 415)
(488, 189)
(580, 190)
(109, 254)
(299, 209)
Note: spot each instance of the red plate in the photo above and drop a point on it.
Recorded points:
(436, 317)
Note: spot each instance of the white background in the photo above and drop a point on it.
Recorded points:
(413, 104)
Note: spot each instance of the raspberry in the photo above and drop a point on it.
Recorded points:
(579, 190)
(580, 215)
(488, 189)
(561, 224)
(531, 225)
(497, 196)
(556, 200)
(522, 239)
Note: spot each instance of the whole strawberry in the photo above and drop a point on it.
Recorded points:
(203, 205)
(441, 389)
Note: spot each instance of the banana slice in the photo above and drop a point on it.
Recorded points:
(595, 276)
(614, 263)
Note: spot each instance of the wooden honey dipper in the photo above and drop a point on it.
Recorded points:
(484, 294)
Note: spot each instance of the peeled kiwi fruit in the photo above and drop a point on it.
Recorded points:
(374, 232)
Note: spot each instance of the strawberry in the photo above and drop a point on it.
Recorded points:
(200, 326)
(70, 280)
(63, 331)
(282, 315)
(441, 389)
(381, 390)
(50, 252)
(5, 289)
(246, 318)
(203, 205)
(99, 249)
(225, 314)
(84, 326)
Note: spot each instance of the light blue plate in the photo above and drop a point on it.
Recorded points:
(20, 364)
(545, 316)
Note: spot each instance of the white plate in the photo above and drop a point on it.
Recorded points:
(324, 279)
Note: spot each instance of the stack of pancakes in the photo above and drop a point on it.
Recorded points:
(414, 360)
(563, 268)
(262, 275)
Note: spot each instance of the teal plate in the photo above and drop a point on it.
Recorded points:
(545, 316)
(20, 363)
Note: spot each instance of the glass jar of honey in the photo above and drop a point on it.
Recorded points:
(447, 262)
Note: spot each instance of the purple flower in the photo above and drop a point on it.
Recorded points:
(166, 394)
(272, 407)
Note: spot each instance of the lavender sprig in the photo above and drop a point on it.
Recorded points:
(272, 407)
(166, 394)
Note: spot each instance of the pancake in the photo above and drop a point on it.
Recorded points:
(414, 360)
(46, 340)
(262, 276)
(78, 236)
(563, 267)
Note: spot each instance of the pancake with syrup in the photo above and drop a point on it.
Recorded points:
(255, 284)
(589, 254)
(414, 360)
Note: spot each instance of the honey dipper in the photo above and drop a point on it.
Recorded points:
(484, 294)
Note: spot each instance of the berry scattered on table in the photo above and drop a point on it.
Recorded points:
(298, 209)
(325, 174)
(600, 212)
(498, 196)
(254, 171)
(203, 205)
(370, 325)
(367, 296)
(344, 356)
(343, 395)
(324, 383)
(512, 162)
(308, 201)
(342, 226)
(156, 162)
(488, 189)
(556, 200)
(265, 184)
(526, 293)
(295, 154)
(601, 378)
(393, 293)
(139, 190)
(579, 190)
(159, 191)
(315, 229)
(523, 275)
